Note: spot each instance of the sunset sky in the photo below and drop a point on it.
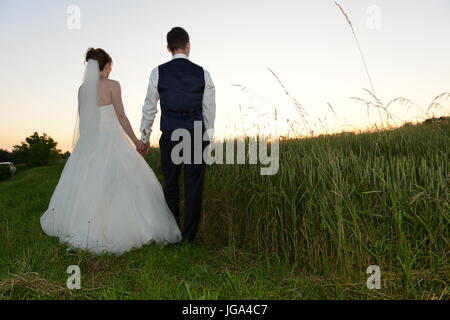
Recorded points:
(308, 44)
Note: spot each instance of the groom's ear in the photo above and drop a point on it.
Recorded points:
(168, 49)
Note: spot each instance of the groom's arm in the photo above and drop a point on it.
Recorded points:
(209, 105)
(149, 109)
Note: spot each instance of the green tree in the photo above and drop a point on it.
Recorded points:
(37, 150)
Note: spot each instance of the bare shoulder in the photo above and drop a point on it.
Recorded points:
(113, 85)
(114, 82)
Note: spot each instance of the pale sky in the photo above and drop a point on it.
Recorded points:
(307, 43)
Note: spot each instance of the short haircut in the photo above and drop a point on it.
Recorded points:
(177, 38)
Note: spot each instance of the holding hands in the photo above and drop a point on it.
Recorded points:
(142, 147)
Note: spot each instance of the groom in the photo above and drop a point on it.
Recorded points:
(186, 93)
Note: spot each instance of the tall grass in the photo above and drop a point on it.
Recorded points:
(340, 203)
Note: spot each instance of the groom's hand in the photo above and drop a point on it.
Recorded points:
(146, 149)
(143, 148)
(140, 147)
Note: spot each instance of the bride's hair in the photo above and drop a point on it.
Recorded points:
(100, 55)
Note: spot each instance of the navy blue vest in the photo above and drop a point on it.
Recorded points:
(181, 86)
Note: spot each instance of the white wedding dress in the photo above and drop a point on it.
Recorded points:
(108, 199)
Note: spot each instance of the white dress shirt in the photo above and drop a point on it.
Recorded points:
(149, 109)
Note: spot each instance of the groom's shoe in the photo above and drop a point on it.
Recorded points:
(191, 242)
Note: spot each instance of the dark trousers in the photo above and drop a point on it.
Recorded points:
(193, 184)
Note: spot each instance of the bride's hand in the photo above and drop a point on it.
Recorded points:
(141, 147)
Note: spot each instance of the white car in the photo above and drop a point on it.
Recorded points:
(12, 169)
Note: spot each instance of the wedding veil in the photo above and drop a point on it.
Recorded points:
(88, 119)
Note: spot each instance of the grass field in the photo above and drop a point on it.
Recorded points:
(338, 204)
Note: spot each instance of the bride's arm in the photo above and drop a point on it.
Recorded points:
(120, 112)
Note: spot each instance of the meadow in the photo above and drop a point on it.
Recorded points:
(338, 204)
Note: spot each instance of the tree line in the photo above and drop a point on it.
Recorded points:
(36, 150)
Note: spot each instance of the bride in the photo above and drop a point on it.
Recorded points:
(107, 199)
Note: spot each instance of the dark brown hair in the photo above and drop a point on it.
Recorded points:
(177, 38)
(100, 55)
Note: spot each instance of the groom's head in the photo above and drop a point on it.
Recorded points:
(178, 41)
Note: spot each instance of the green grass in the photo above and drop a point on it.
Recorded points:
(338, 204)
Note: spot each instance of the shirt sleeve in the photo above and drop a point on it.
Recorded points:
(149, 109)
(209, 105)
